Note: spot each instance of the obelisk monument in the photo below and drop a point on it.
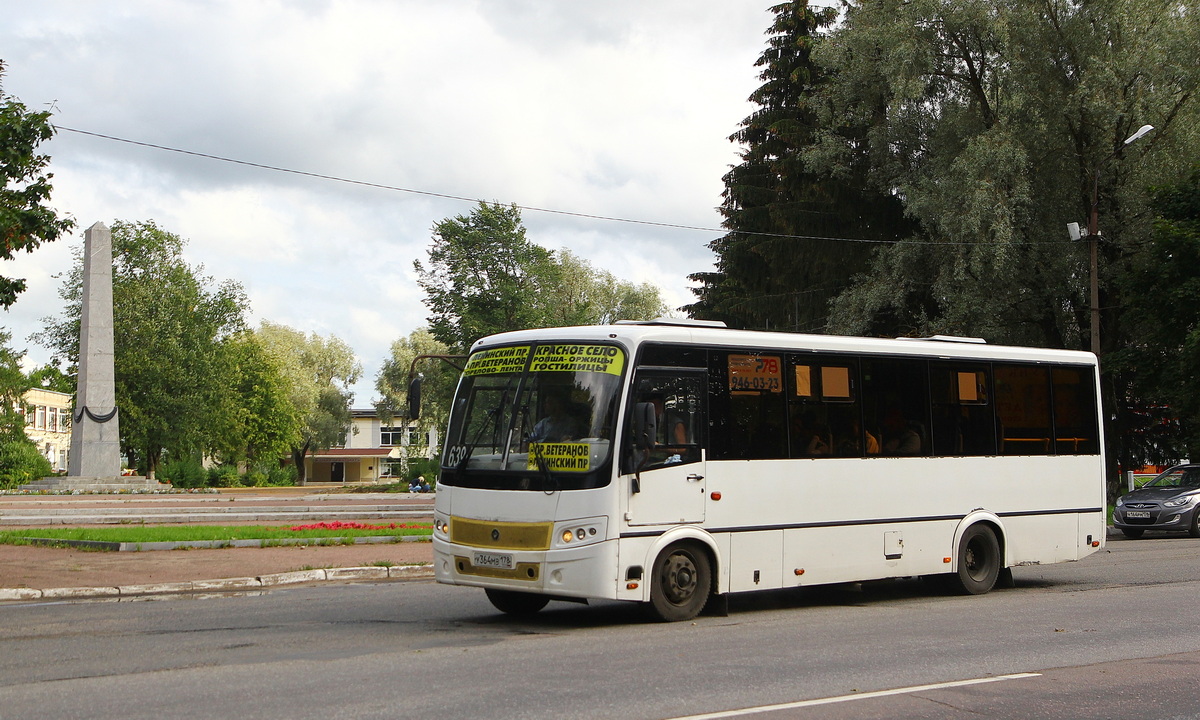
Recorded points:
(95, 461)
(95, 424)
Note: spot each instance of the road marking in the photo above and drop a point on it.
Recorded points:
(854, 696)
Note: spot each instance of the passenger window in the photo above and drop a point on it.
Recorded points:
(823, 412)
(963, 422)
(746, 390)
(1075, 430)
(896, 406)
(1023, 410)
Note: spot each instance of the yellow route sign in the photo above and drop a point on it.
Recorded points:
(497, 361)
(560, 457)
(578, 358)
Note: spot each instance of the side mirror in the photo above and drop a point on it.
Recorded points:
(645, 425)
(414, 398)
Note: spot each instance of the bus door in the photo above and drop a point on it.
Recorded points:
(663, 462)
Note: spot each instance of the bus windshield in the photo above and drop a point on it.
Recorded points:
(535, 417)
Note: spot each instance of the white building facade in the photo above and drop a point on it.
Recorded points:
(48, 425)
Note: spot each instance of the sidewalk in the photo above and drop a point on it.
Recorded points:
(31, 573)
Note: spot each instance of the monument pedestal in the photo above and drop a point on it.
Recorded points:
(112, 483)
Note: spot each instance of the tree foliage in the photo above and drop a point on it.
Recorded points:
(13, 385)
(260, 425)
(1162, 314)
(318, 372)
(51, 377)
(172, 328)
(25, 221)
(438, 380)
(995, 119)
(485, 276)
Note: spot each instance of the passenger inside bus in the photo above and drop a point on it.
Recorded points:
(900, 438)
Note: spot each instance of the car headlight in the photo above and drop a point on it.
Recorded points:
(1120, 501)
(1181, 501)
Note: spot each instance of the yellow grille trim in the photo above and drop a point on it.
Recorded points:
(500, 535)
(523, 571)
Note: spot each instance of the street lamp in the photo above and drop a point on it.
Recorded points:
(1093, 235)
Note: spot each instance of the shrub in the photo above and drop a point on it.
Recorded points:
(255, 478)
(20, 463)
(183, 473)
(422, 466)
(281, 476)
(224, 476)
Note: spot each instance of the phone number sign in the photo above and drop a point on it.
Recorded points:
(755, 373)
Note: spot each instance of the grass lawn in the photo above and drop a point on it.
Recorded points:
(184, 533)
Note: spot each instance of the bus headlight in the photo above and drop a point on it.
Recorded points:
(441, 526)
(573, 533)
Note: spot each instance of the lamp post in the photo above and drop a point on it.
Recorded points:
(1093, 236)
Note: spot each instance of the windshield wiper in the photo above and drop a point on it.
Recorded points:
(549, 481)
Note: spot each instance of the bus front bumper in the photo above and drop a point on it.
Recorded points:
(582, 572)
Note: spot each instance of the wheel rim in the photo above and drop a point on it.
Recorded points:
(679, 578)
(975, 559)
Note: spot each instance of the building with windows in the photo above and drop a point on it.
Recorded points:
(48, 424)
(374, 451)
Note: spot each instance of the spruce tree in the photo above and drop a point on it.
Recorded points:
(796, 236)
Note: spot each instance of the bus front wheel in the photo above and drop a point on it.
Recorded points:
(680, 583)
(978, 560)
(516, 603)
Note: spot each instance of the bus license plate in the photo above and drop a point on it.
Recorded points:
(1143, 514)
(497, 561)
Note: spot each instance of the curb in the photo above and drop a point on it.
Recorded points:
(396, 572)
(201, 544)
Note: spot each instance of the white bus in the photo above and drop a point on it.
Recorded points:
(674, 462)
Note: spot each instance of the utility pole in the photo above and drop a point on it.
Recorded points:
(1093, 237)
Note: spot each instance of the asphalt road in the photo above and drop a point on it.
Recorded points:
(1112, 636)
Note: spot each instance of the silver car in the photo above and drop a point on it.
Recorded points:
(1168, 502)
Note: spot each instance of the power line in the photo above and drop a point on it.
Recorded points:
(530, 208)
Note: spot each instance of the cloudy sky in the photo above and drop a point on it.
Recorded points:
(619, 109)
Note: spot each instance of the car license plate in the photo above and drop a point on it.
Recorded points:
(498, 561)
(1138, 514)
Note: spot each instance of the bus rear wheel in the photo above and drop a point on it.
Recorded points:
(516, 603)
(978, 560)
(680, 583)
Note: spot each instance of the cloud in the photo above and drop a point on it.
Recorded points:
(618, 109)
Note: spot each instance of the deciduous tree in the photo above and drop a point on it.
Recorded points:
(485, 276)
(1162, 313)
(438, 381)
(990, 121)
(171, 355)
(319, 372)
(25, 220)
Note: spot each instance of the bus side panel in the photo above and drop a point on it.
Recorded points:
(756, 560)
(851, 553)
(1034, 540)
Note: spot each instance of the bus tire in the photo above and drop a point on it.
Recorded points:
(680, 582)
(978, 560)
(516, 603)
